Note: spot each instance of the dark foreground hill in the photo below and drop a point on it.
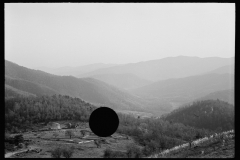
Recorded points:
(23, 113)
(209, 114)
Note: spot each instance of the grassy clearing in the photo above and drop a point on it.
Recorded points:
(46, 141)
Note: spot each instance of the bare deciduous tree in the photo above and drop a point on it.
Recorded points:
(69, 133)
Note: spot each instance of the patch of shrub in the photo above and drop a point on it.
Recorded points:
(65, 152)
(18, 139)
(9, 147)
(108, 153)
(56, 153)
(133, 151)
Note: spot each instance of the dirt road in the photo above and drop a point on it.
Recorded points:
(10, 154)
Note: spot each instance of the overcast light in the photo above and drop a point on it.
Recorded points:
(75, 34)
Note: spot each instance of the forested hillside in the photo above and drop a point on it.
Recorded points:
(155, 135)
(209, 114)
(23, 113)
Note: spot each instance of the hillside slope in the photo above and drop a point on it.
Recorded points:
(25, 113)
(211, 147)
(186, 89)
(11, 92)
(225, 69)
(208, 114)
(88, 89)
(28, 86)
(223, 95)
(75, 71)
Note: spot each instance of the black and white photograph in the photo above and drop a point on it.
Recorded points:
(119, 80)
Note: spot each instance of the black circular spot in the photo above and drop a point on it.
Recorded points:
(103, 121)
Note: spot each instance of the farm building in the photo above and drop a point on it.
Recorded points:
(69, 125)
(54, 125)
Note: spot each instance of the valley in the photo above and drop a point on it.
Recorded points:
(154, 115)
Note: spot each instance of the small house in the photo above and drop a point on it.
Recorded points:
(54, 125)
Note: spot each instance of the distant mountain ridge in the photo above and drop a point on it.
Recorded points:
(75, 71)
(186, 89)
(123, 81)
(170, 67)
(124, 89)
(225, 69)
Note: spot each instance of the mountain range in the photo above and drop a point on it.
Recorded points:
(135, 86)
(166, 68)
(186, 89)
(88, 89)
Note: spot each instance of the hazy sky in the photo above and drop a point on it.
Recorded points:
(75, 34)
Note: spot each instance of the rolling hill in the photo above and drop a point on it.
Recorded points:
(29, 87)
(182, 90)
(88, 89)
(11, 92)
(162, 69)
(208, 114)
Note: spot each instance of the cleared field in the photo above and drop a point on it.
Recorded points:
(84, 147)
